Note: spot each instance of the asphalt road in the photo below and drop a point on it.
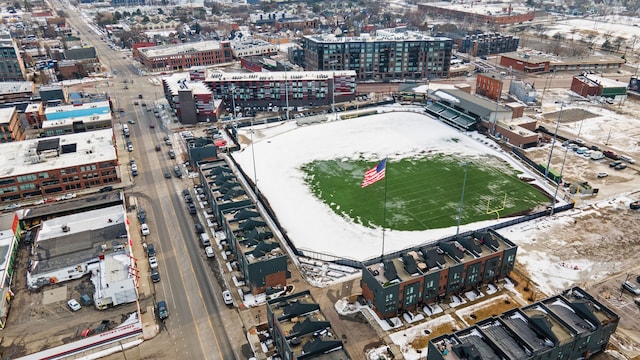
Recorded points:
(188, 284)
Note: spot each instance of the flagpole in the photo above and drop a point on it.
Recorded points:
(384, 209)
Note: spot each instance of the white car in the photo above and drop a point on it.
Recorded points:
(153, 262)
(67, 196)
(209, 251)
(145, 229)
(226, 296)
(74, 305)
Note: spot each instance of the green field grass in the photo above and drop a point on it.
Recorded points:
(422, 193)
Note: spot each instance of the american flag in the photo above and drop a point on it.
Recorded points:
(374, 174)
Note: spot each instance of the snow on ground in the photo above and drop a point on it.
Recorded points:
(405, 337)
(395, 135)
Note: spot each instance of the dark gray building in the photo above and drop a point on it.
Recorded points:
(300, 330)
(569, 326)
(429, 273)
(393, 54)
(260, 259)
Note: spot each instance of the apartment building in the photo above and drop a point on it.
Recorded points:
(389, 55)
(178, 57)
(432, 272)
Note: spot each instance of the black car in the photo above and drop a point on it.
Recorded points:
(167, 174)
(199, 228)
(176, 170)
(151, 250)
(142, 216)
(188, 198)
(620, 166)
(615, 163)
(186, 192)
(192, 208)
(172, 154)
(155, 276)
(106, 189)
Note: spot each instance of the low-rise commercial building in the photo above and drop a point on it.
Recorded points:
(183, 56)
(587, 85)
(300, 330)
(431, 272)
(16, 93)
(10, 125)
(94, 242)
(44, 167)
(573, 325)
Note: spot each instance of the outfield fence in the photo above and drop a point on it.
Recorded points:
(316, 255)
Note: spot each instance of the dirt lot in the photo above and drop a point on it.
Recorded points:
(599, 238)
(41, 319)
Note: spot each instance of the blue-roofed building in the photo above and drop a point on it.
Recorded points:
(69, 119)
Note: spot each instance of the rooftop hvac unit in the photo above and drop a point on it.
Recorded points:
(66, 228)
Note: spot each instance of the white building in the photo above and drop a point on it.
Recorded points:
(94, 242)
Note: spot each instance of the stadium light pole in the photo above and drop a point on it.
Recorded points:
(253, 158)
(464, 183)
(286, 90)
(553, 142)
(555, 195)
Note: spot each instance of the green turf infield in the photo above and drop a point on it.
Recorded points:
(423, 192)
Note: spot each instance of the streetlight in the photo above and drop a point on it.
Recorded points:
(553, 142)
(286, 90)
(333, 90)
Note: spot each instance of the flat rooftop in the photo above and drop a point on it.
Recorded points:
(483, 8)
(180, 81)
(22, 157)
(77, 110)
(77, 238)
(381, 35)
(11, 87)
(70, 120)
(217, 76)
(6, 114)
(166, 50)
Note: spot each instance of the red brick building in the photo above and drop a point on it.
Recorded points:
(525, 62)
(183, 56)
(489, 85)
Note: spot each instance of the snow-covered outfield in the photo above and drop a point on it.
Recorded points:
(281, 150)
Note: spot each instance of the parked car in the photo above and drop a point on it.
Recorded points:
(157, 147)
(142, 216)
(188, 198)
(172, 154)
(139, 96)
(177, 171)
(620, 166)
(209, 251)
(106, 189)
(627, 159)
(192, 208)
(635, 205)
(226, 296)
(630, 287)
(611, 154)
(602, 175)
(155, 276)
(153, 262)
(163, 313)
(615, 163)
(144, 228)
(151, 250)
(199, 228)
(167, 174)
(74, 305)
